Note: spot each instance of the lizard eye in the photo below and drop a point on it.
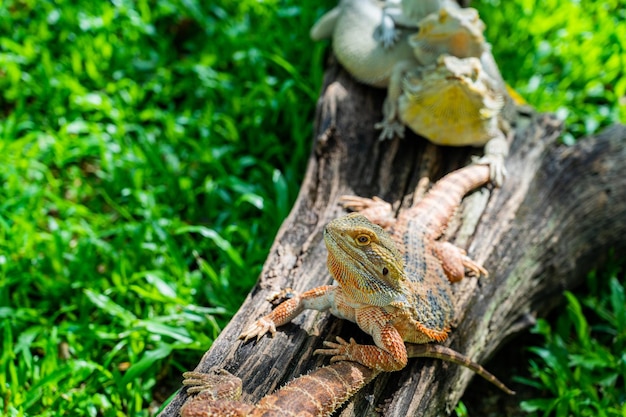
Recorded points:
(362, 240)
(385, 271)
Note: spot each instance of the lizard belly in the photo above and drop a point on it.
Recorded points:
(445, 128)
(451, 103)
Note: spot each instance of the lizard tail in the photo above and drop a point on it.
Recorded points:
(319, 393)
(440, 202)
(450, 355)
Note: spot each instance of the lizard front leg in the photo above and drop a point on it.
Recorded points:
(391, 126)
(388, 355)
(320, 298)
(386, 33)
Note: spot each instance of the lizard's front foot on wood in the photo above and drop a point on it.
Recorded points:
(376, 209)
(497, 171)
(258, 329)
(217, 393)
(215, 384)
(340, 351)
(368, 355)
(496, 151)
(390, 129)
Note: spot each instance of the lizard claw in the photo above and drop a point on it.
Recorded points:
(389, 129)
(496, 150)
(282, 295)
(474, 267)
(386, 33)
(387, 36)
(258, 329)
(196, 381)
(340, 351)
(212, 384)
(497, 171)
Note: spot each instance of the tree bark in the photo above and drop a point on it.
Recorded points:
(558, 213)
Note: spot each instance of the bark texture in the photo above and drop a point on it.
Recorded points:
(558, 213)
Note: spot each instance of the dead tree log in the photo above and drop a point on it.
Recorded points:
(560, 210)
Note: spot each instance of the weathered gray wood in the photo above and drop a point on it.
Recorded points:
(558, 212)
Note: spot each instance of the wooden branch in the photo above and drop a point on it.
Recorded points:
(559, 211)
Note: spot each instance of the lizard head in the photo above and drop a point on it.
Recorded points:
(452, 31)
(363, 258)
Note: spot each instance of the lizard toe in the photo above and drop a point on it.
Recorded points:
(258, 329)
(213, 384)
(335, 349)
(389, 130)
(497, 170)
(475, 268)
(339, 358)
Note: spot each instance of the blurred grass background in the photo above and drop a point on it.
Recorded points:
(150, 150)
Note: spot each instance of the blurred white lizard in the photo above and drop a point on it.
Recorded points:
(357, 29)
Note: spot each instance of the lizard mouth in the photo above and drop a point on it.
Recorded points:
(454, 78)
(332, 240)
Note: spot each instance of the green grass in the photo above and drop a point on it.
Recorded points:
(581, 367)
(563, 56)
(149, 152)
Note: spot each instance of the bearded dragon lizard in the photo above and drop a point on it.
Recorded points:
(451, 102)
(395, 287)
(317, 394)
(457, 96)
